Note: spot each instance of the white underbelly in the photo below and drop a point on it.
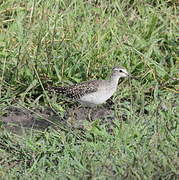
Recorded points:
(96, 97)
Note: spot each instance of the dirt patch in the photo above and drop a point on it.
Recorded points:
(18, 119)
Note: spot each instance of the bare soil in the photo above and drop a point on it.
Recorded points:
(18, 120)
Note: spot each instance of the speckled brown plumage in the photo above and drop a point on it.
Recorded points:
(76, 91)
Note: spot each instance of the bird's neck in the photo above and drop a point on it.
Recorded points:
(114, 80)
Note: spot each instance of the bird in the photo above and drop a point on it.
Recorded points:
(93, 92)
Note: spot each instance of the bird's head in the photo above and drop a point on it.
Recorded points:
(120, 72)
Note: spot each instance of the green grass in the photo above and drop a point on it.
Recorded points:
(61, 42)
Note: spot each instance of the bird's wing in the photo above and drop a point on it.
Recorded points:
(77, 90)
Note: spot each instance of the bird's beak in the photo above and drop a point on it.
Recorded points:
(131, 76)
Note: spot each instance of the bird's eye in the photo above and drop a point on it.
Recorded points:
(120, 71)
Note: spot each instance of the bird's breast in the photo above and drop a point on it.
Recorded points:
(98, 97)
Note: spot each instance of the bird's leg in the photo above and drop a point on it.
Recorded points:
(89, 114)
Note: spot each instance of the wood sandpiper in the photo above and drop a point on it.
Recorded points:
(93, 92)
